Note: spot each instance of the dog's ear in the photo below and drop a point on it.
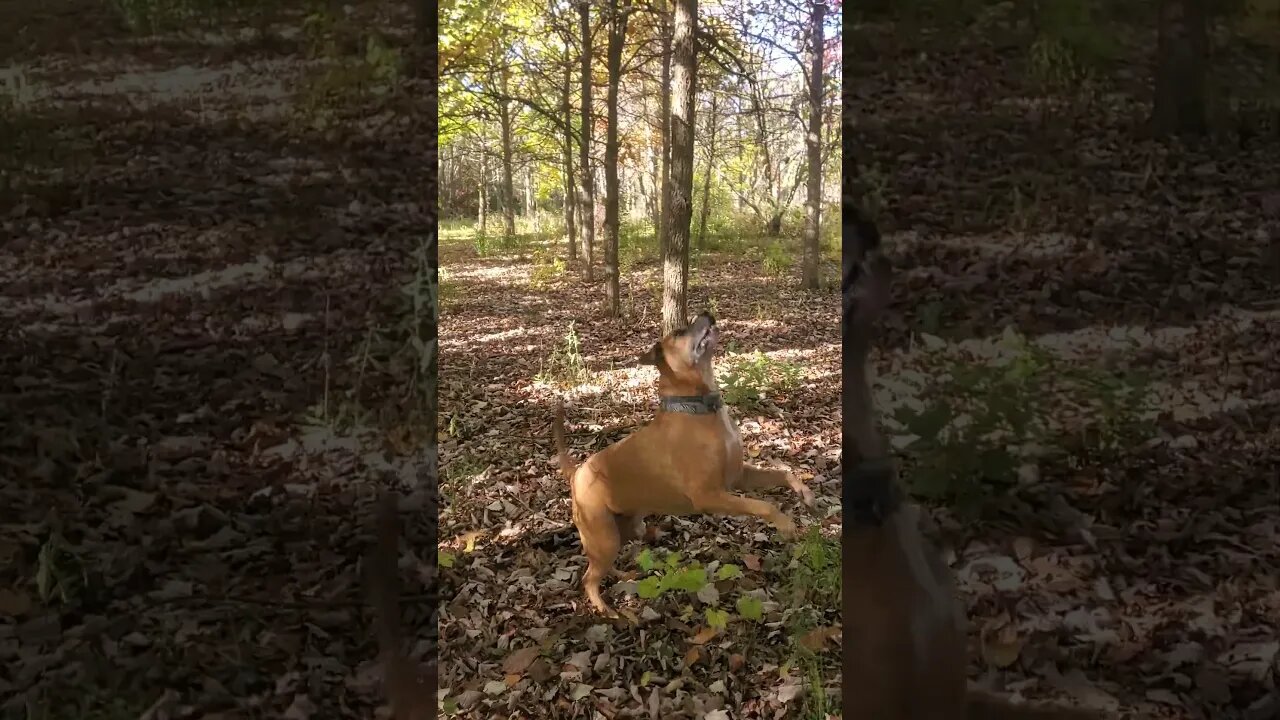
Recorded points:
(652, 355)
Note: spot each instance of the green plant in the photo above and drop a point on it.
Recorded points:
(747, 380)
(815, 568)
(565, 363)
(670, 575)
(985, 418)
(546, 268)
(777, 261)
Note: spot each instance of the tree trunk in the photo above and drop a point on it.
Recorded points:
(711, 164)
(1182, 51)
(586, 185)
(617, 35)
(508, 189)
(655, 160)
(813, 144)
(679, 205)
(426, 27)
(570, 234)
(483, 210)
(664, 128)
(528, 193)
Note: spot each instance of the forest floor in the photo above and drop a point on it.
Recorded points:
(518, 332)
(206, 367)
(1141, 580)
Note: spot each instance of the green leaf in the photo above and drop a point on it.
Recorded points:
(728, 572)
(646, 560)
(717, 618)
(691, 579)
(750, 607)
(444, 559)
(649, 588)
(645, 678)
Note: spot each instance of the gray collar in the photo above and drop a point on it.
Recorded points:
(691, 404)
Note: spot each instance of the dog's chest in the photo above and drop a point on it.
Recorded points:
(732, 442)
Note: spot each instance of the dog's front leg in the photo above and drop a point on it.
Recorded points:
(724, 503)
(754, 478)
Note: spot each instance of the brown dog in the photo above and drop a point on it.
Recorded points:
(904, 639)
(410, 687)
(688, 460)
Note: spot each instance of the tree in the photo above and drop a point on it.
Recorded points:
(617, 37)
(1182, 51)
(508, 187)
(712, 120)
(678, 206)
(813, 147)
(586, 185)
(566, 109)
(664, 126)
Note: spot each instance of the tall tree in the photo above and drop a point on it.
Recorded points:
(712, 120)
(679, 201)
(586, 185)
(617, 37)
(508, 186)
(813, 148)
(566, 109)
(1182, 51)
(664, 125)
(483, 202)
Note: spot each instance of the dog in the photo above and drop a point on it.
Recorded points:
(688, 460)
(410, 687)
(903, 640)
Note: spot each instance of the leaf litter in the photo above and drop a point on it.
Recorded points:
(517, 637)
(199, 384)
(1143, 583)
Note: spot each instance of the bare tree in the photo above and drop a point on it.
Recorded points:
(586, 185)
(566, 109)
(664, 126)
(712, 121)
(617, 36)
(1182, 50)
(508, 187)
(678, 206)
(813, 146)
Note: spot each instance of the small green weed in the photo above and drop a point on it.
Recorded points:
(565, 364)
(671, 575)
(984, 418)
(748, 380)
(547, 266)
(777, 260)
(815, 568)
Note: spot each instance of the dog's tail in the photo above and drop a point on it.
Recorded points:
(411, 689)
(567, 466)
(980, 706)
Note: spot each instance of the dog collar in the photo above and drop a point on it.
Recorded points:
(691, 404)
(871, 491)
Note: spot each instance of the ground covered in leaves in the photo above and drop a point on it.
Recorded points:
(752, 636)
(1142, 579)
(203, 367)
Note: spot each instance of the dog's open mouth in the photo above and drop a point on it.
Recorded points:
(708, 336)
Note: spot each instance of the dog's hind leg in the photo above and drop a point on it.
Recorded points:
(754, 478)
(725, 503)
(600, 543)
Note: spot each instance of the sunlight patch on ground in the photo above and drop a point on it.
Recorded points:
(204, 284)
(1039, 245)
(1185, 399)
(487, 272)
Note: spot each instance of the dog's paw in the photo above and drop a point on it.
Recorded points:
(806, 495)
(786, 527)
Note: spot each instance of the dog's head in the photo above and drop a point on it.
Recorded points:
(683, 358)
